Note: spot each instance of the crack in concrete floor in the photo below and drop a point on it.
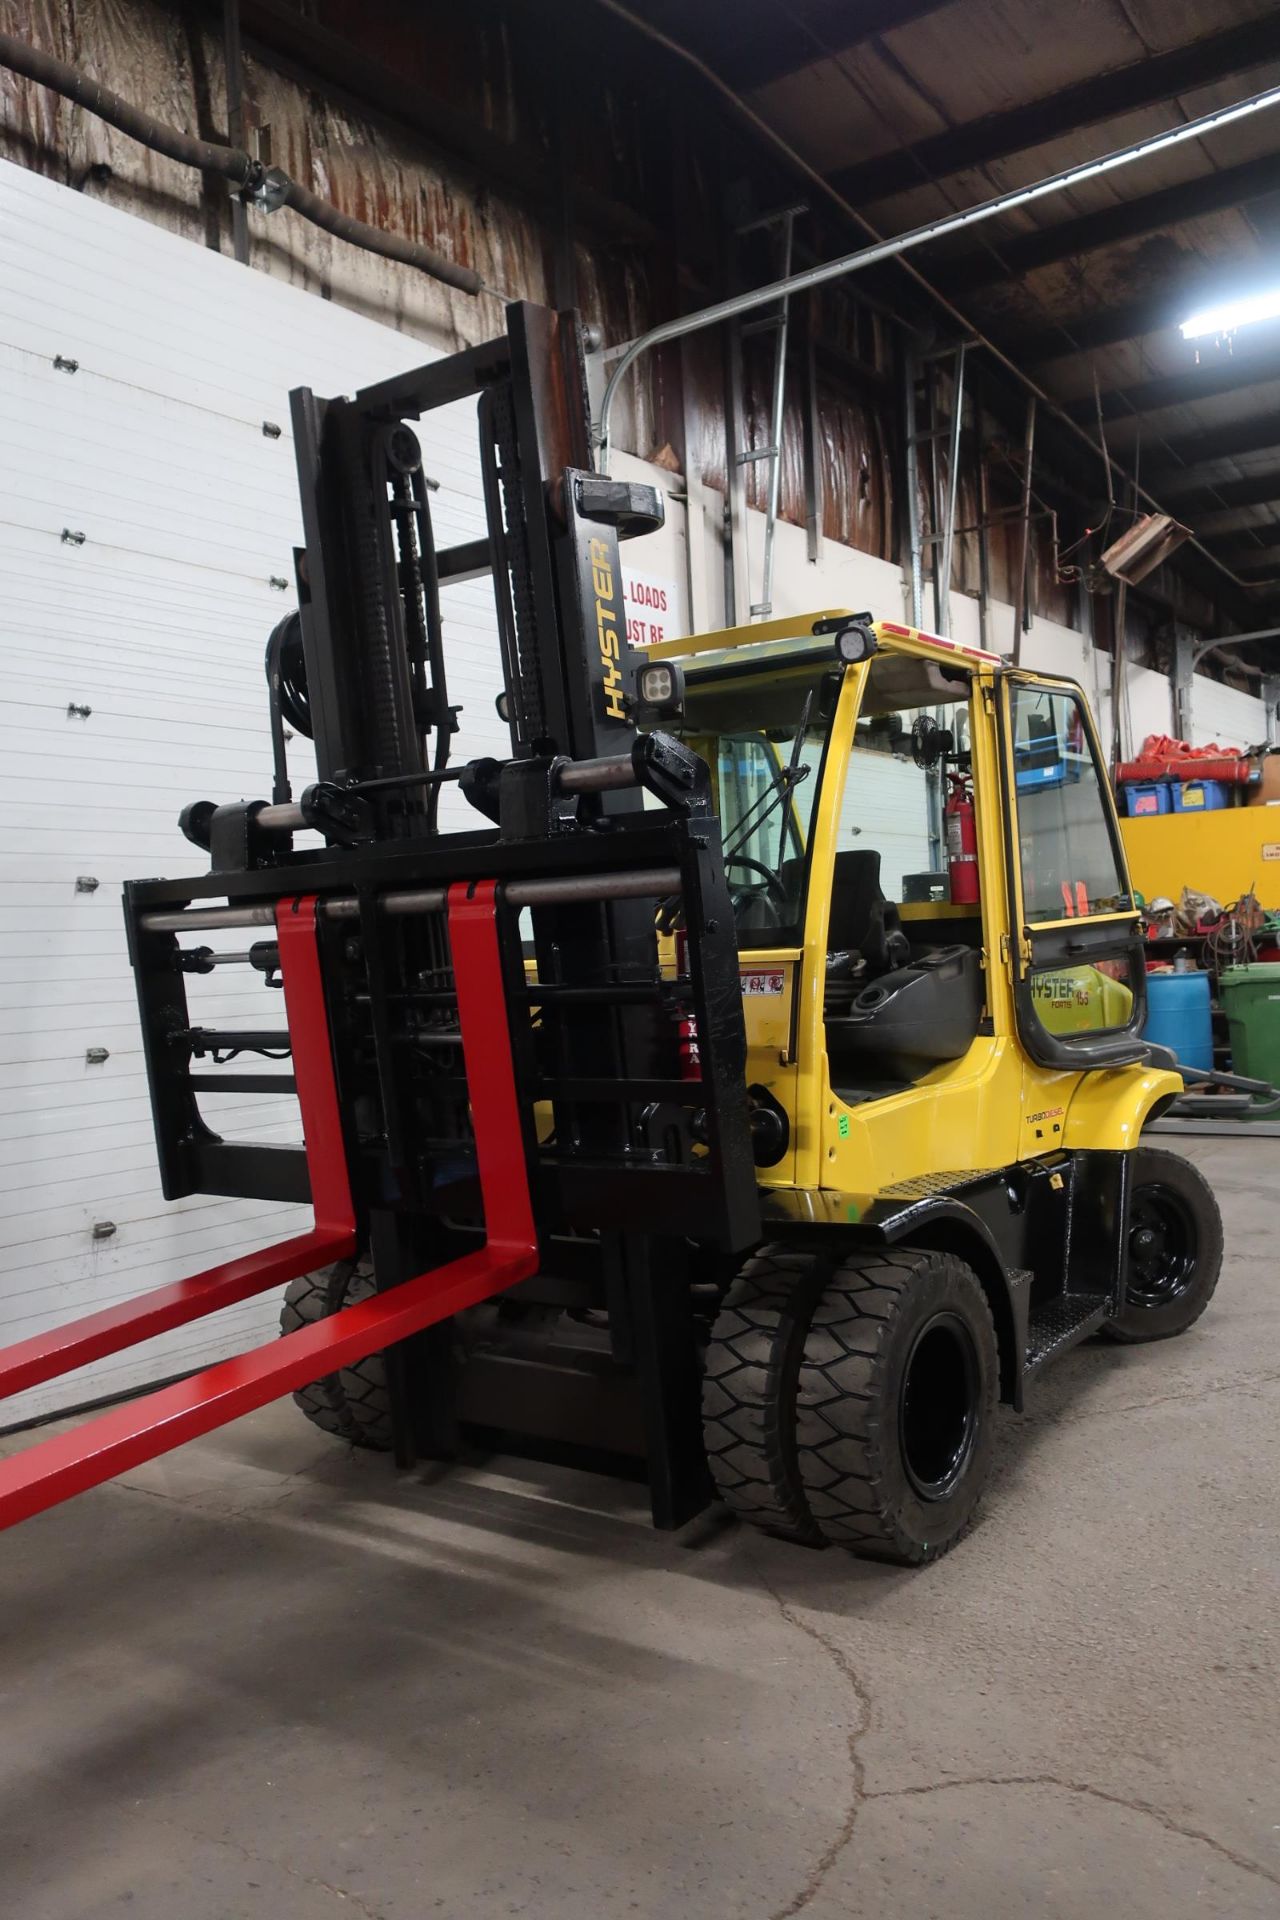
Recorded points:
(861, 1794)
(1089, 1791)
(836, 1654)
(254, 1858)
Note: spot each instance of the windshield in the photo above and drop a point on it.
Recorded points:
(763, 735)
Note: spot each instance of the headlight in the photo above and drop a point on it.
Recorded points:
(660, 690)
(853, 643)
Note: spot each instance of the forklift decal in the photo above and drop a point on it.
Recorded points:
(607, 629)
(755, 982)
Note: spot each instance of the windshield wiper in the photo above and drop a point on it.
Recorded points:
(781, 787)
(793, 776)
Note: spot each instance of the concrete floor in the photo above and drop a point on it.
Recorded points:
(266, 1679)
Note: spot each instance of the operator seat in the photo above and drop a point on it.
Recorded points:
(862, 920)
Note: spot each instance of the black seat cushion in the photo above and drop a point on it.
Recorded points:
(862, 921)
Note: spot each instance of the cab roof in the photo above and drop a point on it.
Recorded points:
(775, 641)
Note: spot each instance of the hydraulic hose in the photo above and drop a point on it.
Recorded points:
(256, 184)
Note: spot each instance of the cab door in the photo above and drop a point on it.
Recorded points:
(1078, 966)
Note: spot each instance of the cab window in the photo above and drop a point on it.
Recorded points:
(764, 741)
(1070, 867)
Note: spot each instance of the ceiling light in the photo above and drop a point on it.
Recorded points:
(1231, 314)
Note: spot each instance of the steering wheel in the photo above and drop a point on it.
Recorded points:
(773, 885)
(775, 893)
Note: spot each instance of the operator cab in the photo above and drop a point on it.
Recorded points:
(904, 979)
(868, 851)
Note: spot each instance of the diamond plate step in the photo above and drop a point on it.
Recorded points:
(1058, 1324)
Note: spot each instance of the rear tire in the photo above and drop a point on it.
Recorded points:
(895, 1420)
(1173, 1251)
(354, 1403)
(749, 1391)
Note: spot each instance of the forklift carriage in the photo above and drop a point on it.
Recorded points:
(641, 1128)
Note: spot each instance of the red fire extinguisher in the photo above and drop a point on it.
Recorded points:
(962, 842)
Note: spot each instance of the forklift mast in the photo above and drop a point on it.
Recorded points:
(502, 1106)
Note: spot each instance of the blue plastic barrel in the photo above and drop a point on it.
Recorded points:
(1178, 1016)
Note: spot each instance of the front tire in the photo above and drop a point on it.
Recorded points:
(355, 1402)
(895, 1418)
(749, 1391)
(1173, 1252)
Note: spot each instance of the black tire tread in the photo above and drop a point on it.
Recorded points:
(352, 1403)
(748, 1392)
(364, 1384)
(841, 1402)
(312, 1297)
(1143, 1327)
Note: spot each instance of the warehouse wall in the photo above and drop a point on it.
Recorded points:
(845, 577)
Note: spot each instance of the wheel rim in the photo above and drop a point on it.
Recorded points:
(1162, 1247)
(938, 1406)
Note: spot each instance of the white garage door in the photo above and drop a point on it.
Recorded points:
(145, 515)
(886, 806)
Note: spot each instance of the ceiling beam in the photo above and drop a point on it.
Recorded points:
(1224, 373)
(1190, 492)
(1225, 522)
(1191, 451)
(1242, 555)
(1158, 312)
(1127, 220)
(1085, 103)
(764, 42)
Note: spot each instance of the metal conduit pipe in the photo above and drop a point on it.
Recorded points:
(643, 883)
(258, 185)
(797, 160)
(904, 242)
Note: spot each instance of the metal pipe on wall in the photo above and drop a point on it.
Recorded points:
(917, 237)
(234, 64)
(953, 490)
(764, 606)
(269, 188)
(822, 184)
(1024, 543)
(915, 562)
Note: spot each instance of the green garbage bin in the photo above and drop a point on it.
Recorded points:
(1251, 1001)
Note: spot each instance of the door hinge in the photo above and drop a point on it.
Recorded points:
(1008, 950)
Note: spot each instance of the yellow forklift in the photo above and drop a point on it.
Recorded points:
(748, 1098)
(944, 996)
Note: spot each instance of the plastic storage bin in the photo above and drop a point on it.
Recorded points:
(1179, 1016)
(1251, 1000)
(1199, 796)
(1148, 796)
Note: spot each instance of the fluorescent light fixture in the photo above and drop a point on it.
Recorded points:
(1232, 314)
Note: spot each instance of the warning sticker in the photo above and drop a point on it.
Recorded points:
(1271, 849)
(761, 980)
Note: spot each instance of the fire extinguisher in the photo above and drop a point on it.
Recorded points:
(962, 842)
(690, 1053)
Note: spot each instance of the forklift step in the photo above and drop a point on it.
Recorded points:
(1058, 1324)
